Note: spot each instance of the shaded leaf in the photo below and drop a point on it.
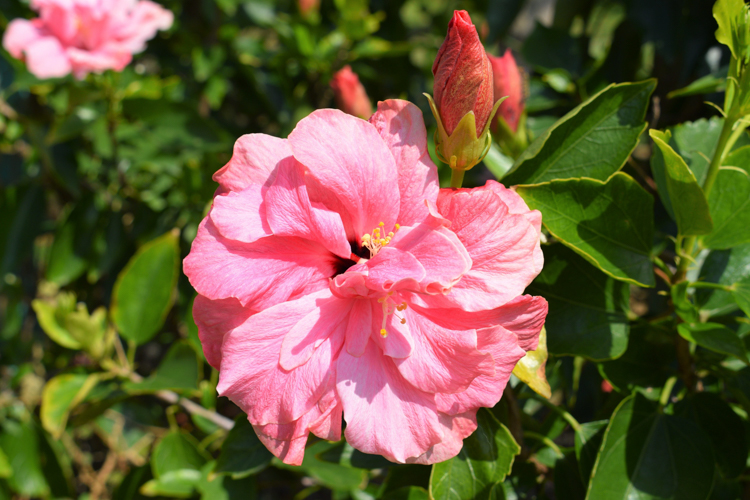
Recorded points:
(588, 440)
(485, 459)
(143, 293)
(178, 371)
(715, 337)
(609, 223)
(176, 451)
(725, 267)
(647, 362)
(593, 140)
(729, 202)
(242, 453)
(647, 454)
(679, 190)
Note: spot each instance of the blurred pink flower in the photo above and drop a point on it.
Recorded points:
(508, 81)
(463, 75)
(350, 94)
(334, 277)
(84, 36)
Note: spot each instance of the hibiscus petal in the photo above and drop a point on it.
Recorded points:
(349, 158)
(442, 360)
(455, 429)
(259, 274)
(359, 327)
(501, 246)
(241, 215)
(327, 317)
(254, 160)
(384, 414)
(440, 252)
(252, 377)
(20, 34)
(401, 125)
(46, 58)
(214, 319)
(524, 316)
(486, 390)
(390, 267)
(291, 214)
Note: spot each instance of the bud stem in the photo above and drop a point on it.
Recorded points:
(457, 178)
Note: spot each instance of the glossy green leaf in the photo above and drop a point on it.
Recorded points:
(587, 309)
(594, 140)
(222, 487)
(650, 455)
(729, 202)
(722, 426)
(715, 337)
(730, 268)
(741, 295)
(60, 396)
(588, 440)
(679, 190)
(334, 476)
(176, 484)
(730, 16)
(647, 362)
(144, 290)
(178, 371)
(713, 82)
(176, 451)
(609, 223)
(20, 444)
(696, 142)
(485, 459)
(242, 453)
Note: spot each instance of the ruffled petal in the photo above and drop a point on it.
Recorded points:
(290, 212)
(486, 390)
(20, 34)
(241, 215)
(359, 328)
(252, 377)
(442, 360)
(350, 160)
(260, 274)
(384, 414)
(215, 318)
(141, 25)
(401, 125)
(254, 160)
(46, 58)
(392, 269)
(501, 246)
(455, 429)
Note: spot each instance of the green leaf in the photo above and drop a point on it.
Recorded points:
(178, 371)
(696, 142)
(177, 484)
(143, 293)
(60, 396)
(485, 459)
(679, 190)
(609, 223)
(65, 264)
(741, 295)
(725, 267)
(729, 202)
(5, 469)
(646, 363)
(722, 426)
(51, 317)
(176, 451)
(647, 454)
(20, 444)
(730, 16)
(587, 309)
(713, 82)
(242, 453)
(333, 476)
(221, 487)
(594, 140)
(408, 493)
(588, 440)
(715, 337)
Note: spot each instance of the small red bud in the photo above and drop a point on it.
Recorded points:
(351, 96)
(308, 6)
(508, 81)
(606, 386)
(463, 75)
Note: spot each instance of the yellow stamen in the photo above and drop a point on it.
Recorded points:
(383, 333)
(374, 242)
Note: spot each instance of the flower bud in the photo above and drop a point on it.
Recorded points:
(463, 101)
(307, 7)
(508, 81)
(351, 96)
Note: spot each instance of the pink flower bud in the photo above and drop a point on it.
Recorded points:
(508, 81)
(351, 96)
(606, 386)
(306, 7)
(463, 75)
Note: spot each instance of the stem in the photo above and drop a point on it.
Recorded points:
(685, 252)
(719, 154)
(457, 178)
(570, 419)
(708, 284)
(545, 440)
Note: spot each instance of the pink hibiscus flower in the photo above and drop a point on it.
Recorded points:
(335, 277)
(84, 36)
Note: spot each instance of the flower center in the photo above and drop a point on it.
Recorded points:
(390, 307)
(374, 242)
